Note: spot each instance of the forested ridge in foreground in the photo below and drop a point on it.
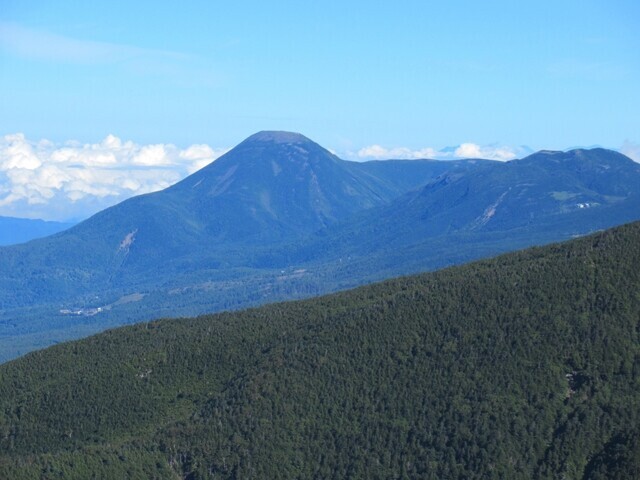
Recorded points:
(523, 366)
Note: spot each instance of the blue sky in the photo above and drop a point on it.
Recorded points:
(405, 77)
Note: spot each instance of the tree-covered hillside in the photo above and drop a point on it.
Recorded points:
(524, 366)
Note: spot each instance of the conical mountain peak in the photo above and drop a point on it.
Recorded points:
(274, 136)
(271, 150)
(267, 146)
(273, 186)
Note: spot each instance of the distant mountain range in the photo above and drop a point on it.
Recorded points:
(20, 230)
(522, 366)
(279, 217)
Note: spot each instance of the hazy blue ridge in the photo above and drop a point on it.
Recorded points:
(20, 230)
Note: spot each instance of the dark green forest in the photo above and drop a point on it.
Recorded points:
(523, 366)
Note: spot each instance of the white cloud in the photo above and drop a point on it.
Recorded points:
(200, 156)
(381, 153)
(153, 156)
(58, 182)
(631, 150)
(471, 150)
(466, 150)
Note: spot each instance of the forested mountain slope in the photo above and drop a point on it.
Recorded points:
(524, 366)
(548, 194)
(273, 187)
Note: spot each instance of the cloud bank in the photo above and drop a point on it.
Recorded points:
(378, 152)
(72, 181)
(465, 150)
